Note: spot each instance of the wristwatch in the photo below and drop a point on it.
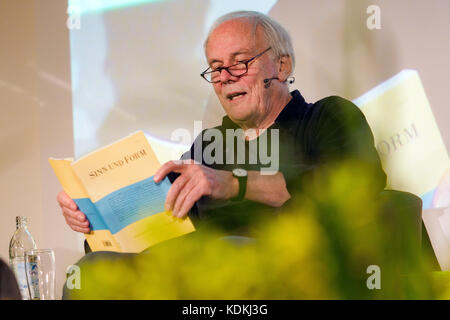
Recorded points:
(241, 175)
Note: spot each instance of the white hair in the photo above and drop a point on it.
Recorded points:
(275, 35)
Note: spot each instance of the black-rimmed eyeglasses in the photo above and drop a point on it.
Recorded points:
(236, 70)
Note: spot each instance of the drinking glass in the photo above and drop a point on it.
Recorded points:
(40, 271)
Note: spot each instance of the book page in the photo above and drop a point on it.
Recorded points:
(100, 238)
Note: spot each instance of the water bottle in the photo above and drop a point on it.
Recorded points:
(21, 242)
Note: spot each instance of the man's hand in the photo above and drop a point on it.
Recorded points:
(74, 218)
(195, 181)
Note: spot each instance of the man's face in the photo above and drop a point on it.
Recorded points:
(229, 43)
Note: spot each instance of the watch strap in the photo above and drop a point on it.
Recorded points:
(242, 187)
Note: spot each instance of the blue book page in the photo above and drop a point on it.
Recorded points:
(133, 203)
(95, 219)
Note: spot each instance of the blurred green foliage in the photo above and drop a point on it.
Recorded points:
(318, 248)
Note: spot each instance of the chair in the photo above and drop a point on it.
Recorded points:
(402, 214)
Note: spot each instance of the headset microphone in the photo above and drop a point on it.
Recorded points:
(268, 81)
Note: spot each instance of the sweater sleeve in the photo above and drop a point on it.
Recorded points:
(336, 131)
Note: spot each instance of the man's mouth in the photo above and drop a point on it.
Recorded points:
(232, 96)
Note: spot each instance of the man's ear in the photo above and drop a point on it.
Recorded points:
(285, 68)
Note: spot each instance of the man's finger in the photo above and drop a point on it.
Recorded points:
(77, 215)
(74, 222)
(182, 195)
(173, 165)
(65, 201)
(165, 169)
(78, 229)
(194, 195)
(174, 190)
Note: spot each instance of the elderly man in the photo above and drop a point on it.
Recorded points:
(250, 59)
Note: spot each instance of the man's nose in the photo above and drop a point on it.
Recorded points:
(225, 76)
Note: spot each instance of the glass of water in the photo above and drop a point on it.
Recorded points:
(41, 273)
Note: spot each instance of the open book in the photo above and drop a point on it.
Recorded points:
(114, 187)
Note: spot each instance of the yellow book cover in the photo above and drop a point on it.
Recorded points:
(114, 187)
(406, 135)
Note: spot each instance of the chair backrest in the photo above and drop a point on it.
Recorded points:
(402, 212)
